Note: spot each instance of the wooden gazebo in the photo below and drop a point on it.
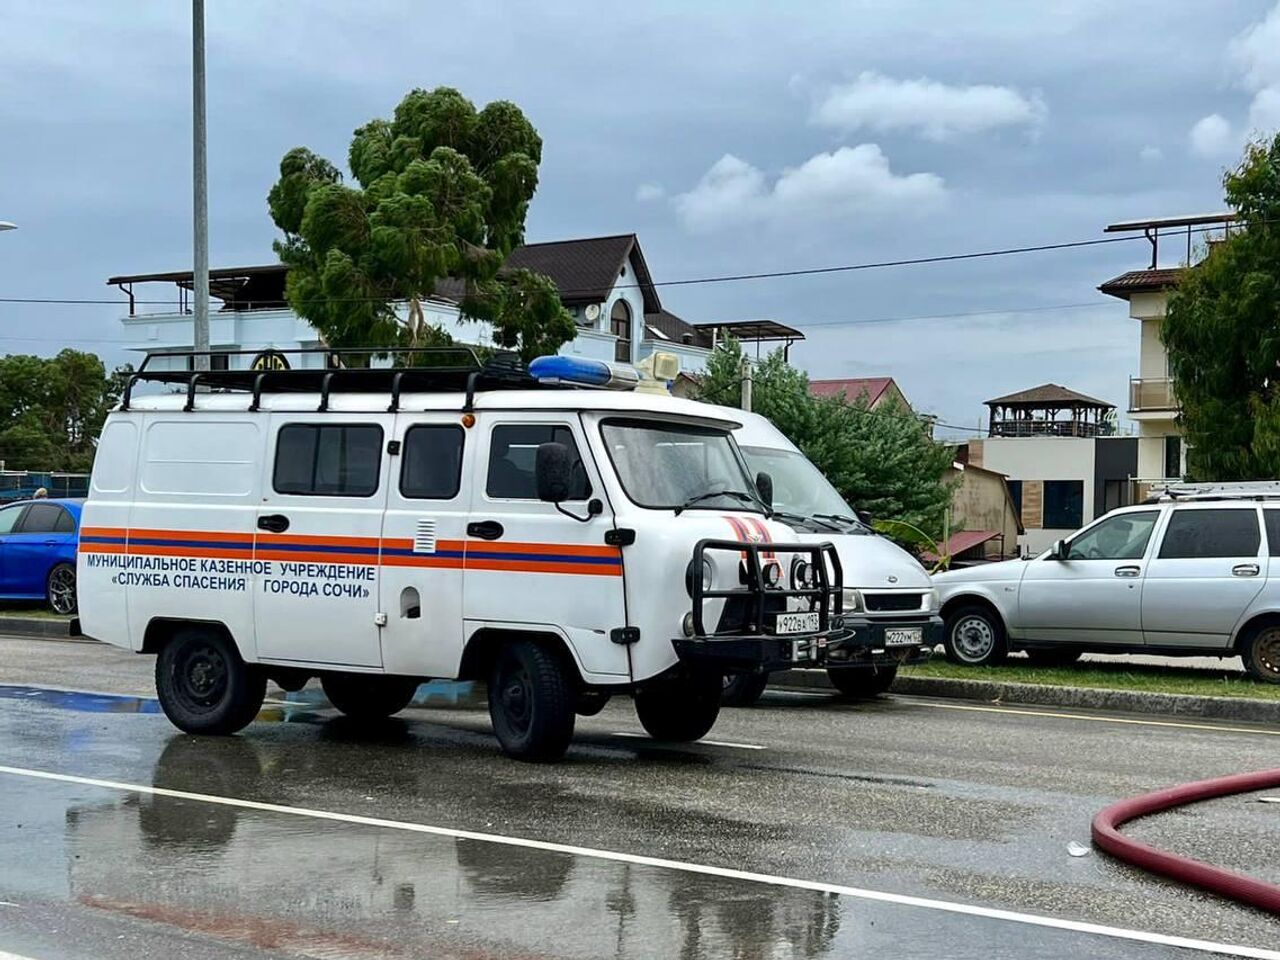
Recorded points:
(1049, 410)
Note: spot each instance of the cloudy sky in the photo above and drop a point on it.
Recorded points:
(733, 137)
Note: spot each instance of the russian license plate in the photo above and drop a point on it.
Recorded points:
(903, 637)
(797, 623)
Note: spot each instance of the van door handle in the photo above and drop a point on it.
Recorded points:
(1245, 570)
(275, 522)
(485, 530)
(1128, 571)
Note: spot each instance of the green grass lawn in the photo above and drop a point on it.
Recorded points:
(1118, 676)
(34, 609)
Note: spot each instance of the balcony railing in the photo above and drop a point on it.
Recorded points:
(1152, 395)
(1027, 427)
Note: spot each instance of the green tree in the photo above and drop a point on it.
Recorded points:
(881, 460)
(1222, 332)
(52, 409)
(443, 193)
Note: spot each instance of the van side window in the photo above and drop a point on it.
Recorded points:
(512, 452)
(1206, 534)
(328, 460)
(1273, 531)
(431, 468)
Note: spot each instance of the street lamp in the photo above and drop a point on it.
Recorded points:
(6, 225)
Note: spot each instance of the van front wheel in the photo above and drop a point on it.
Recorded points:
(204, 686)
(531, 702)
(680, 708)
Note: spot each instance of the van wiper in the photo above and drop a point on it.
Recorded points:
(841, 518)
(808, 518)
(698, 498)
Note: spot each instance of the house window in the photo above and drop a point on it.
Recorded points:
(620, 327)
(1063, 504)
(1173, 457)
(1015, 492)
(217, 361)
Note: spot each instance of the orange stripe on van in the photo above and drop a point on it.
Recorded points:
(475, 548)
(533, 566)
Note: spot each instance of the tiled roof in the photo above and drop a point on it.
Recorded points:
(1049, 394)
(584, 271)
(1142, 281)
(873, 388)
(674, 329)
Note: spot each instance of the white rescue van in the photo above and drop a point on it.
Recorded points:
(890, 604)
(377, 527)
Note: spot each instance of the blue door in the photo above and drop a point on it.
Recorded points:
(40, 538)
(10, 518)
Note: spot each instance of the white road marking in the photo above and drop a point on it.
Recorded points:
(1269, 799)
(11, 956)
(725, 873)
(710, 743)
(1181, 724)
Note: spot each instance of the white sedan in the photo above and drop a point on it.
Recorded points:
(1171, 578)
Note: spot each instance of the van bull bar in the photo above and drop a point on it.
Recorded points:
(747, 636)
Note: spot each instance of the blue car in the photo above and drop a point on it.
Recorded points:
(38, 541)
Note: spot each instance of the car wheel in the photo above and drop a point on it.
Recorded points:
(1052, 656)
(975, 637)
(742, 689)
(680, 708)
(204, 686)
(60, 589)
(531, 702)
(862, 683)
(368, 697)
(1261, 655)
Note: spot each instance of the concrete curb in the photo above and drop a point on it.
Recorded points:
(1089, 698)
(37, 627)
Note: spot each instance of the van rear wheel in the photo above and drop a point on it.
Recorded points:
(203, 684)
(862, 683)
(680, 708)
(368, 696)
(531, 702)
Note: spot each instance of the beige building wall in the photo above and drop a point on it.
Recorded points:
(1034, 460)
(981, 502)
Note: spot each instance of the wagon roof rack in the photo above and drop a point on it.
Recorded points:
(1234, 490)
(452, 369)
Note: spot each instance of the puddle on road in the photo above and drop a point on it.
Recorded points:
(79, 700)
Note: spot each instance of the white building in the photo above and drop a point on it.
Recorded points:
(603, 281)
(1153, 401)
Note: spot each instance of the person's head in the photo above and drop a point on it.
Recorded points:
(41, 493)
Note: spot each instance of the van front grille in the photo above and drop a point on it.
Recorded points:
(887, 602)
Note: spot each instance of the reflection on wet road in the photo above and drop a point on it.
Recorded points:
(224, 881)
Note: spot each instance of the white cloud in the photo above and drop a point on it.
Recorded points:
(936, 110)
(1257, 51)
(1264, 112)
(648, 192)
(1212, 137)
(848, 180)
(1151, 154)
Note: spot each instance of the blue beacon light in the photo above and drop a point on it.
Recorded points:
(585, 372)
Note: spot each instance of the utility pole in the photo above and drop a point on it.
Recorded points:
(200, 189)
(746, 384)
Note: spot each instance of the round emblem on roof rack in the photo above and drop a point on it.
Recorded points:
(270, 360)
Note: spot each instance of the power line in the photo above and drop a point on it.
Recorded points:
(724, 278)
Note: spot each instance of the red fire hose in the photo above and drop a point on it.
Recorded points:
(1226, 883)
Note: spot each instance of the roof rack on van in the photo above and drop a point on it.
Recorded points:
(398, 369)
(1234, 490)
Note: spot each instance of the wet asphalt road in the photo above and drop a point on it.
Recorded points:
(948, 801)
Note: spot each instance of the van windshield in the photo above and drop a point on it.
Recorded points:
(800, 488)
(676, 466)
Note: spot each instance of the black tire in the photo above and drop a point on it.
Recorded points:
(203, 684)
(1261, 654)
(680, 708)
(1052, 656)
(975, 637)
(862, 683)
(742, 689)
(60, 589)
(531, 702)
(363, 696)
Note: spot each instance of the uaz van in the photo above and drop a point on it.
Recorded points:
(376, 527)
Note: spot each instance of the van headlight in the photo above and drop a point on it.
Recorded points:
(852, 601)
(706, 574)
(933, 600)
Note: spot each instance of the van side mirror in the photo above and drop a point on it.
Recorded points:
(764, 487)
(864, 516)
(1059, 551)
(553, 472)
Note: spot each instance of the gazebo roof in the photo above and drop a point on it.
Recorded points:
(1050, 395)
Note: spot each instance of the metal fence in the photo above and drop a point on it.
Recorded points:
(23, 484)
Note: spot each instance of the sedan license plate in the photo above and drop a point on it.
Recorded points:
(797, 623)
(903, 637)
